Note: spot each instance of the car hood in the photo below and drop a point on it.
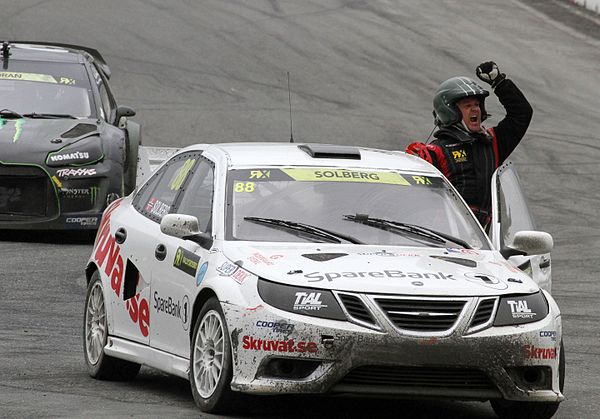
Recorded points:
(376, 269)
(30, 140)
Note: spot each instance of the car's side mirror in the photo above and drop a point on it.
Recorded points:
(529, 243)
(185, 227)
(124, 111)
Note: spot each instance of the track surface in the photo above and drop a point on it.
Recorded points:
(362, 73)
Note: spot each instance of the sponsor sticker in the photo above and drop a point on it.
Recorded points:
(459, 156)
(9, 75)
(157, 207)
(240, 276)
(171, 307)
(549, 334)
(107, 255)
(226, 268)
(74, 157)
(345, 175)
(533, 352)
(201, 273)
(90, 193)
(330, 276)
(277, 327)
(266, 345)
(186, 261)
(308, 301)
(258, 258)
(520, 310)
(75, 172)
(82, 221)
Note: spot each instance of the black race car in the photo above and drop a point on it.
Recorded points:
(66, 149)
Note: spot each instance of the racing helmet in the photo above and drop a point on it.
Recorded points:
(445, 110)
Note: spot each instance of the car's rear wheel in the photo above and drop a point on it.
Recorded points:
(95, 335)
(210, 359)
(532, 410)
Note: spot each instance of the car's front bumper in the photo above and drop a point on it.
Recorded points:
(498, 362)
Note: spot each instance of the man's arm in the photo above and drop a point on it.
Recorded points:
(512, 128)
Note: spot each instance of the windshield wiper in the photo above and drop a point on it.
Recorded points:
(390, 225)
(48, 115)
(322, 233)
(8, 114)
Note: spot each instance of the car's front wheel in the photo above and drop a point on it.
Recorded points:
(210, 359)
(532, 410)
(95, 335)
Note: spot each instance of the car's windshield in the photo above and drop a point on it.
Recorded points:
(325, 197)
(31, 87)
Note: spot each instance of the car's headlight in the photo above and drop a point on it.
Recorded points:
(301, 300)
(82, 153)
(520, 309)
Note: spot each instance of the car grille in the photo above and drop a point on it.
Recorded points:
(26, 193)
(484, 312)
(423, 314)
(429, 377)
(356, 308)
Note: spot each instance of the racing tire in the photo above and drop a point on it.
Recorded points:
(532, 410)
(211, 360)
(95, 336)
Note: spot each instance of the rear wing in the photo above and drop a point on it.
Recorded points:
(149, 158)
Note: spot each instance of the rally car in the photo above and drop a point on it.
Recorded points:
(67, 150)
(306, 268)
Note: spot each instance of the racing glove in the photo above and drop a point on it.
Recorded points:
(489, 73)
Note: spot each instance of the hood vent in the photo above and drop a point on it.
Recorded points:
(459, 261)
(328, 151)
(323, 257)
(79, 130)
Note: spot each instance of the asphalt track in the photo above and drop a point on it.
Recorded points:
(362, 73)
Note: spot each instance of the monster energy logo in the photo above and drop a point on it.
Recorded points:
(186, 261)
(94, 194)
(181, 174)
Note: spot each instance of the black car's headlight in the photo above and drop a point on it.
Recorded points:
(301, 300)
(520, 309)
(82, 153)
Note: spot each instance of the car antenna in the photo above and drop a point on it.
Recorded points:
(5, 54)
(290, 102)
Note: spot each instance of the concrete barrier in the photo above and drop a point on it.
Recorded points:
(593, 5)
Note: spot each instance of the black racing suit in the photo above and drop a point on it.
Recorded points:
(468, 159)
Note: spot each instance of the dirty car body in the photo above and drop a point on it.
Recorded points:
(67, 150)
(335, 270)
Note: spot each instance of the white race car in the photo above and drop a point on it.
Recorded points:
(305, 268)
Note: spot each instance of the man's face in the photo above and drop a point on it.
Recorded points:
(471, 113)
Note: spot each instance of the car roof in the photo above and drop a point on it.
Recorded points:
(311, 154)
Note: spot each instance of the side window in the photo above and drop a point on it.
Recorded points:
(106, 104)
(157, 197)
(197, 198)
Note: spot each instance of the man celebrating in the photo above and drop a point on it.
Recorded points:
(465, 152)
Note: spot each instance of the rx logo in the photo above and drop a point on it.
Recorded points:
(260, 174)
(178, 257)
(459, 156)
(421, 180)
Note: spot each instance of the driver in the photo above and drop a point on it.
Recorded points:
(463, 150)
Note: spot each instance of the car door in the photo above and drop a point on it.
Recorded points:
(179, 274)
(510, 214)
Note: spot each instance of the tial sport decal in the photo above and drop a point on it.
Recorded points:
(330, 276)
(107, 255)
(186, 261)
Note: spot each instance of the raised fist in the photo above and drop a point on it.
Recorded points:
(489, 73)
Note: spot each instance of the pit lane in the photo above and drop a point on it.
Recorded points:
(362, 73)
